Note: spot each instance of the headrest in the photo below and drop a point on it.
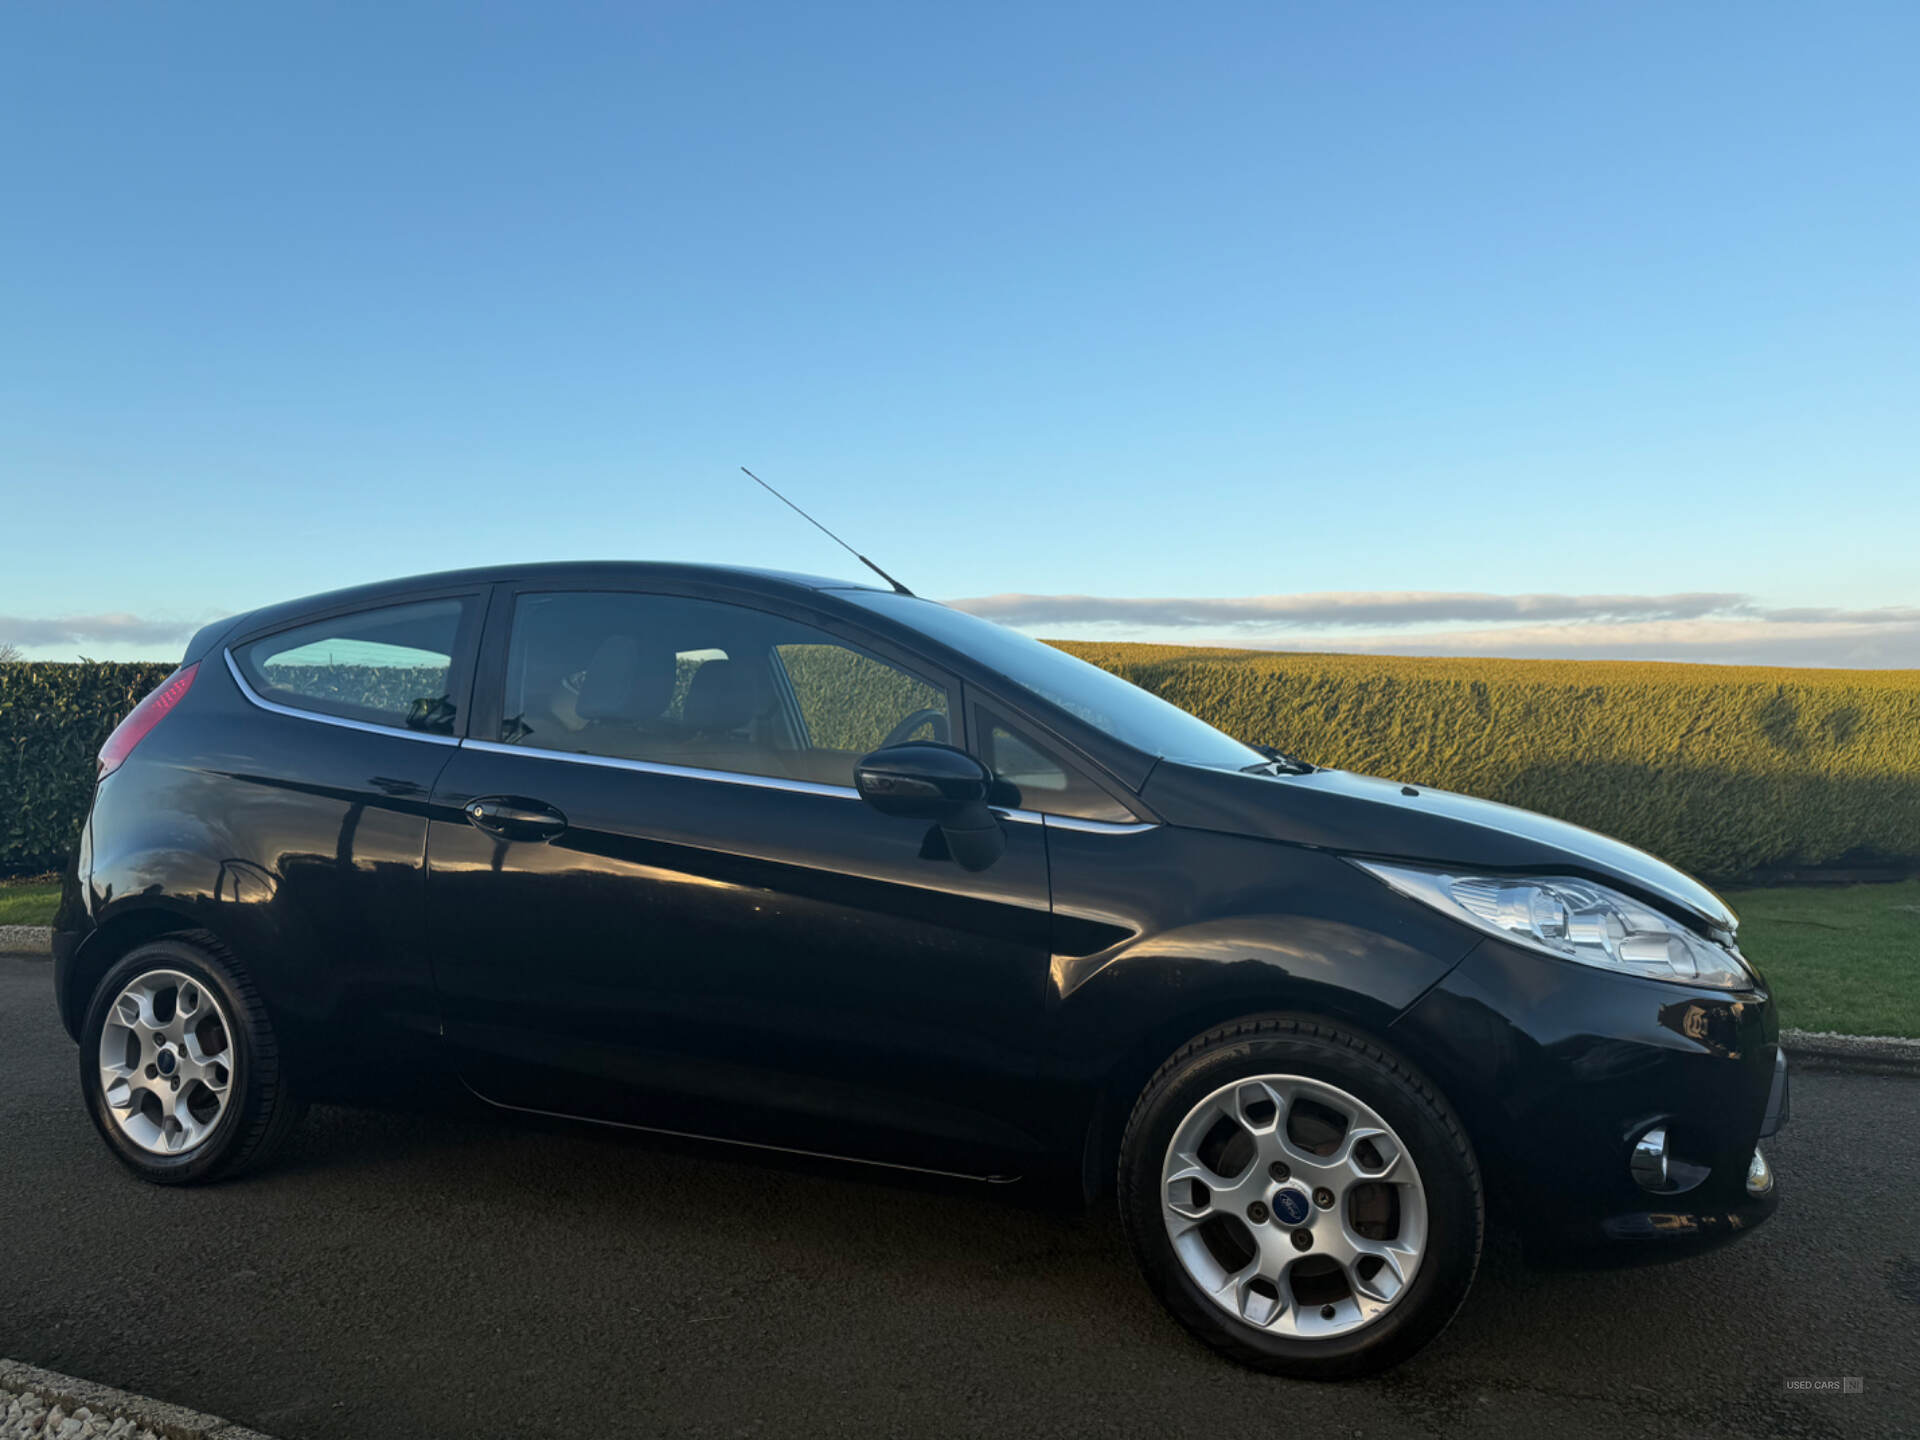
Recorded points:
(625, 683)
(721, 699)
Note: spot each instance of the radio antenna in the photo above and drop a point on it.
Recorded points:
(898, 588)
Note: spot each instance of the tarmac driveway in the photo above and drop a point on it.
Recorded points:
(420, 1275)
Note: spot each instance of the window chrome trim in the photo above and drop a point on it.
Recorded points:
(255, 697)
(655, 767)
(1100, 827)
(648, 767)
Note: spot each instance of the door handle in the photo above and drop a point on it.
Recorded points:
(512, 819)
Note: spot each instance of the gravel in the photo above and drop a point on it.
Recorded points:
(39, 1404)
(29, 1417)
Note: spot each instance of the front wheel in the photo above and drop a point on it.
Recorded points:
(179, 1064)
(1301, 1198)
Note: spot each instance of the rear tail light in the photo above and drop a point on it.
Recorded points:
(147, 714)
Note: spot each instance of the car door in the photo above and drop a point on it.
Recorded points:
(327, 753)
(656, 898)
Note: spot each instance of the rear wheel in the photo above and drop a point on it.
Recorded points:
(1301, 1198)
(179, 1064)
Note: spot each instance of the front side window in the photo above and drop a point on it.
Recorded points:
(704, 685)
(853, 702)
(392, 666)
(1028, 775)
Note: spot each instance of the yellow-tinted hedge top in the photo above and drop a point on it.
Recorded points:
(1722, 769)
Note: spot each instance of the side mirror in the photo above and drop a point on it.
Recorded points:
(924, 781)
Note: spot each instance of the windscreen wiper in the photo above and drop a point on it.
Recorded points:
(1278, 762)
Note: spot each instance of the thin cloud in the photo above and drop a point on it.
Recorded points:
(1888, 615)
(1718, 628)
(93, 629)
(1863, 646)
(1706, 627)
(1341, 608)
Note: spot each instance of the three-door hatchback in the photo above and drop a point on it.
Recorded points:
(820, 867)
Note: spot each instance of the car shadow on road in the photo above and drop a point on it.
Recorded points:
(610, 1181)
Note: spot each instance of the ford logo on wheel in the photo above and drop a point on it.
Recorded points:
(1290, 1207)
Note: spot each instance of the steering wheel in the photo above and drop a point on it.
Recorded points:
(913, 722)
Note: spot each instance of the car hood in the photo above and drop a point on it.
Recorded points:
(1384, 819)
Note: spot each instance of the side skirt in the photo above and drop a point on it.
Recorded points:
(743, 1144)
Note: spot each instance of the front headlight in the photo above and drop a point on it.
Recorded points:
(1574, 920)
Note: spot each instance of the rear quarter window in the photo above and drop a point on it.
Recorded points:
(395, 666)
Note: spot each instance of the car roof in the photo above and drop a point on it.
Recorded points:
(618, 572)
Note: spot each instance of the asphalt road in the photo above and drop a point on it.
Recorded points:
(416, 1275)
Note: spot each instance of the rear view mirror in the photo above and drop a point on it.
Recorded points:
(924, 781)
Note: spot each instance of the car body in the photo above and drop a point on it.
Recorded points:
(585, 880)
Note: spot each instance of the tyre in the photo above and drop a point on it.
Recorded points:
(180, 1067)
(1301, 1198)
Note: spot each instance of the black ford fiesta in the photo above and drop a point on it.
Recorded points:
(818, 867)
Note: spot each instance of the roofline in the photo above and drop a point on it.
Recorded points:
(739, 577)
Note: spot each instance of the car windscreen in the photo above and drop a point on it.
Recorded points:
(1135, 717)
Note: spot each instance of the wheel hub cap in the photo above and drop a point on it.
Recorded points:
(1291, 1206)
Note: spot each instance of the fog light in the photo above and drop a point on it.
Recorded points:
(1649, 1163)
(1759, 1174)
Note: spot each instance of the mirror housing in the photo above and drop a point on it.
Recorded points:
(921, 780)
(974, 846)
(924, 780)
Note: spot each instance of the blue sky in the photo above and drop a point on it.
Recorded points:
(1470, 328)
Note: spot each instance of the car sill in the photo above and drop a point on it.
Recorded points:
(744, 1144)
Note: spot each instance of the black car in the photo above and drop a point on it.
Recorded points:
(819, 867)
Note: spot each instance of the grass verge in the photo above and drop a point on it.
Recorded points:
(1838, 957)
(28, 902)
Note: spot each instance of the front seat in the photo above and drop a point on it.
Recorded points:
(723, 702)
(625, 693)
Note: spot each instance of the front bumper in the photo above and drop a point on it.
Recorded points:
(1558, 1070)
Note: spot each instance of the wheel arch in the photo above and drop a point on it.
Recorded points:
(1123, 1011)
(117, 936)
(1128, 1072)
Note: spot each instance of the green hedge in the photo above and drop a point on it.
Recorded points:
(851, 702)
(391, 689)
(1727, 771)
(53, 721)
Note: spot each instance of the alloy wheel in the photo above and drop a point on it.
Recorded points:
(166, 1062)
(1294, 1206)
